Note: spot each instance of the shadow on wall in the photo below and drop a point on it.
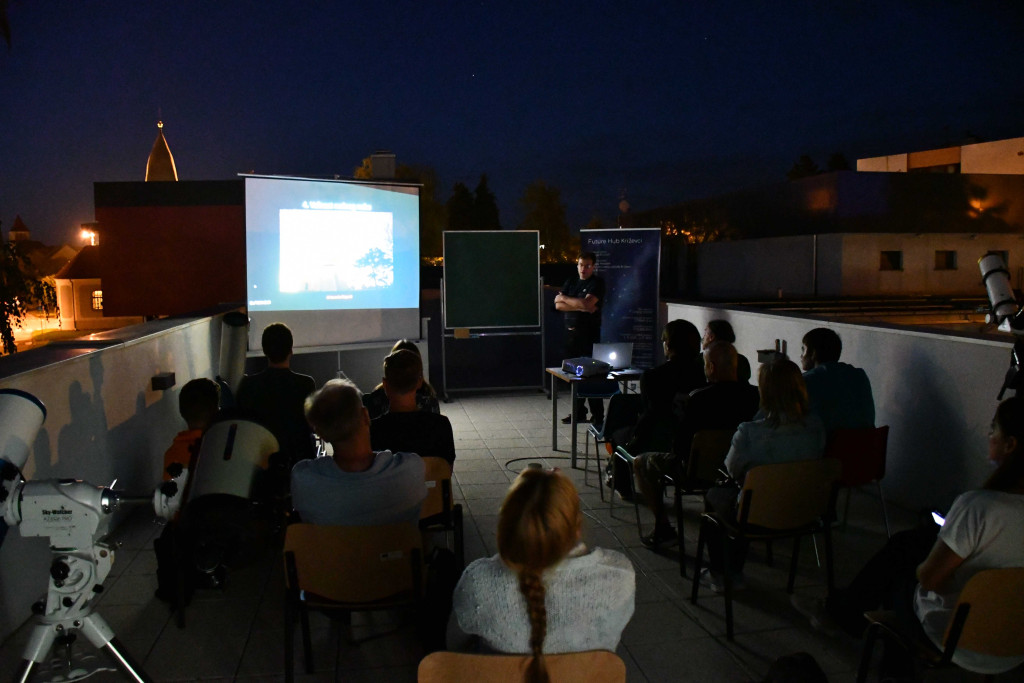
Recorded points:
(929, 466)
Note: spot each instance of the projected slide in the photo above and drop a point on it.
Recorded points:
(328, 245)
(336, 251)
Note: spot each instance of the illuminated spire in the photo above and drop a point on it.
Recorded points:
(160, 165)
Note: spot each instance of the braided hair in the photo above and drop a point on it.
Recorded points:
(539, 523)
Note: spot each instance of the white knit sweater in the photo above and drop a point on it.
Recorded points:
(589, 600)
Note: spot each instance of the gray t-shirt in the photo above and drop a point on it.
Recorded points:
(390, 491)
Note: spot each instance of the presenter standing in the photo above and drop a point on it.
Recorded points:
(581, 299)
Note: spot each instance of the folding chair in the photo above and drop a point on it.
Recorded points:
(347, 569)
(623, 411)
(988, 619)
(594, 666)
(707, 455)
(439, 512)
(862, 452)
(782, 500)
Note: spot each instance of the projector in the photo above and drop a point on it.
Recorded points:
(585, 367)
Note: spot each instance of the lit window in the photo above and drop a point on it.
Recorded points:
(97, 299)
(945, 260)
(891, 260)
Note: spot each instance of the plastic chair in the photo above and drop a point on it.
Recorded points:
(988, 619)
(660, 441)
(347, 569)
(707, 455)
(439, 512)
(623, 411)
(862, 452)
(782, 500)
(593, 666)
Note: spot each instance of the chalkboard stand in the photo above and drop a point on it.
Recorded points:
(449, 334)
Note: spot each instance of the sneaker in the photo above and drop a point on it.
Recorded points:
(814, 610)
(715, 582)
(567, 420)
(665, 534)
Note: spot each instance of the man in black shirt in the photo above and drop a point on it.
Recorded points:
(276, 396)
(581, 299)
(406, 428)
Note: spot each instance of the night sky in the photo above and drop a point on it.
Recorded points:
(670, 101)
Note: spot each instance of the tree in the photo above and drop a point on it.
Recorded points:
(803, 168)
(364, 171)
(20, 293)
(544, 212)
(460, 208)
(381, 265)
(485, 207)
(838, 162)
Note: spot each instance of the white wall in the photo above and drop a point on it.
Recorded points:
(937, 393)
(103, 421)
(893, 163)
(1001, 156)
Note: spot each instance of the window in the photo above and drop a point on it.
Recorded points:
(891, 260)
(945, 260)
(97, 299)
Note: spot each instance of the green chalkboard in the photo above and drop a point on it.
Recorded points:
(491, 279)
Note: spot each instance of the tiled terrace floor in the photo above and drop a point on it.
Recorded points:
(237, 633)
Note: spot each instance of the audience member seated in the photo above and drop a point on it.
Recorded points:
(721, 331)
(544, 592)
(723, 404)
(839, 393)
(406, 428)
(786, 433)
(426, 398)
(357, 486)
(920, 576)
(659, 386)
(275, 396)
(197, 404)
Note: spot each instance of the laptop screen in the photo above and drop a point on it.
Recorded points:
(618, 355)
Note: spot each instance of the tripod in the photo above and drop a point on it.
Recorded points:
(75, 580)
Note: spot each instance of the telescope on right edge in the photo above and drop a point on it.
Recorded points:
(1006, 312)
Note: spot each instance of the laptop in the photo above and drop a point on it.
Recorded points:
(618, 355)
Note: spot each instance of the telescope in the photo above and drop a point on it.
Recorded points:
(1006, 313)
(75, 516)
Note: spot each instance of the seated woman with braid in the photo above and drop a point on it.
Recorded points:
(544, 591)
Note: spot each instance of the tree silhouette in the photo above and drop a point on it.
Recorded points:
(460, 208)
(803, 168)
(20, 292)
(543, 211)
(380, 264)
(838, 162)
(485, 207)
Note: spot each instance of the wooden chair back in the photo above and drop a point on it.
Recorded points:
(594, 666)
(439, 488)
(354, 564)
(707, 454)
(789, 495)
(993, 622)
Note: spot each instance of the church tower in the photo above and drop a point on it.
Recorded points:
(160, 165)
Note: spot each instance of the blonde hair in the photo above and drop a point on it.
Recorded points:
(334, 410)
(539, 523)
(783, 392)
